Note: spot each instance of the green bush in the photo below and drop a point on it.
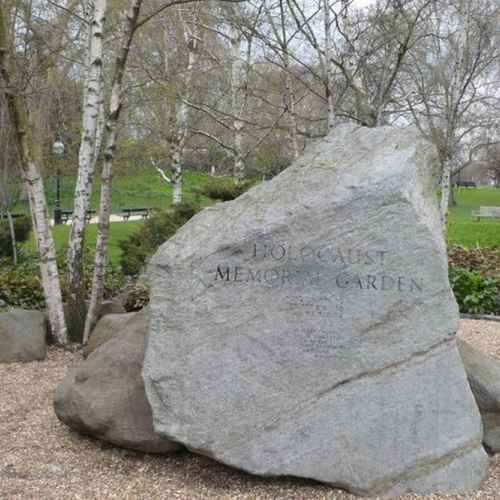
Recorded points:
(474, 293)
(224, 190)
(137, 297)
(156, 230)
(21, 284)
(22, 228)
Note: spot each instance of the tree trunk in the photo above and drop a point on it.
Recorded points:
(330, 68)
(101, 250)
(34, 186)
(239, 164)
(452, 201)
(116, 102)
(177, 175)
(12, 232)
(237, 106)
(93, 97)
(445, 195)
(289, 95)
(182, 116)
(290, 111)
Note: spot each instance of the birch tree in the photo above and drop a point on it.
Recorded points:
(283, 49)
(361, 53)
(238, 33)
(306, 18)
(7, 172)
(19, 118)
(239, 96)
(176, 111)
(131, 24)
(451, 85)
(91, 120)
(115, 107)
(191, 39)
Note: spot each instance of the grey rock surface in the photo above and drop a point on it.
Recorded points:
(114, 324)
(23, 336)
(483, 373)
(308, 329)
(111, 307)
(104, 396)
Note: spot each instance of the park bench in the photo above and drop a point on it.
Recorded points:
(67, 215)
(467, 184)
(486, 213)
(128, 212)
(13, 215)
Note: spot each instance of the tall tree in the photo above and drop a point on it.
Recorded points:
(451, 85)
(19, 118)
(93, 98)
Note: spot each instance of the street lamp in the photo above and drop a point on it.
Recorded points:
(58, 150)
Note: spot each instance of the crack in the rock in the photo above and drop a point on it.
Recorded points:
(423, 467)
(391, 366)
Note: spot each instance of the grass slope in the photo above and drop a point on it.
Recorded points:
(145, 189)
(463, 230)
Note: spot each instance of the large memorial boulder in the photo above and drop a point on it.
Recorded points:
(308, 328)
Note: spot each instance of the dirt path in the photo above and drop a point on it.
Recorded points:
(40, 458)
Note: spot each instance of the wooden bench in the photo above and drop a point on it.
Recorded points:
(67, 215)
(466, 184)
(128, 212)
(3, 215)
(486, 213)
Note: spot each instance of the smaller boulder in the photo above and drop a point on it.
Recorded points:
(113, 324)
(111, 307)
(104, 396)
(23, 336)
(483, 373)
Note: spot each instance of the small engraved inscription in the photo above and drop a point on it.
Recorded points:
(320, 342)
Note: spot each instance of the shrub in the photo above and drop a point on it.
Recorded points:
(224, 190)
(137, 297)
(21, 285)
(22, 228)
(156, 230)
(474, 293)
(485, 261)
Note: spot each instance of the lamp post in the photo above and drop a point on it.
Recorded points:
(58, 150)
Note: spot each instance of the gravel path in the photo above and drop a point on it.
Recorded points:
(40, 458)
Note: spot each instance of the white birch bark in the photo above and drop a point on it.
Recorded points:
(281, 36)
(116, 102)
(291, 116)
(34, 187)
(445, 195)
(191, 40)
(237, 104)
(92, 110)
(329, 66)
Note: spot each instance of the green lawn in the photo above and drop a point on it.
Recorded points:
(146, 190)
(118, 231)
(463, 229)
(143, 189)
